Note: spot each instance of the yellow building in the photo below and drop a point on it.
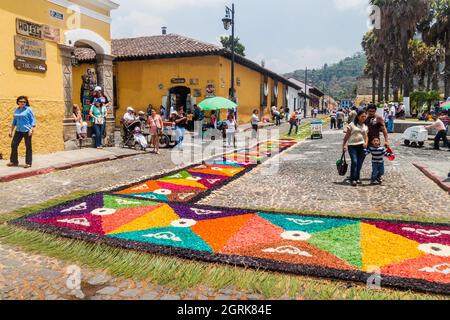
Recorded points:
(172, 70)
(38, 40)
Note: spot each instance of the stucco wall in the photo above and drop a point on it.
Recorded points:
(45, 91)
(48, 135)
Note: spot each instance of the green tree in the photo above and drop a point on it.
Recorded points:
(239, 48)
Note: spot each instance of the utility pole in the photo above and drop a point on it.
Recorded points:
(305, 109)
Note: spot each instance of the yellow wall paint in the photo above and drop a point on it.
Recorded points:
(44, 90)
(90, 6)
(138, 81)
(48, 136)
(248, 93)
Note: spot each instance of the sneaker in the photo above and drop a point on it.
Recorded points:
(354, 184)
(373, 183)
(359, 182)
(12, 164)
(27, 166)
(380, 180)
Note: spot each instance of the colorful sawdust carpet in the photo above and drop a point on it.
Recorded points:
(401, 254)
(196, 182)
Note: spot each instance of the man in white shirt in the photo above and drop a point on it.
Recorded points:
(130, 116)
(441, 133)
(391, 119)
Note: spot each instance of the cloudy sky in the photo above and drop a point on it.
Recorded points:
(287, 34)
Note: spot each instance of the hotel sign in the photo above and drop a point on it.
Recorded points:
(31, 65)
(29, 29)
(52, 34)
(30, 48)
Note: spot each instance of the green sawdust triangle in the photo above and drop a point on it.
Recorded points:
(177, 176)
(343, 242)
(113, 202)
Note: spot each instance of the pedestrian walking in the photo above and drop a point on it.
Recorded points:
(378, 153)
(286, 113)
(376, 125)
(316, 112)
(294, 121)
(156, 126)
(98, 117)
(180, 120)
(231, 129)
(22, 128)
(199, 118)
(340, 118)
(276, 115)
(255, 122)
(355, 142)
(391, 119)
(333, 117)
(439, 126)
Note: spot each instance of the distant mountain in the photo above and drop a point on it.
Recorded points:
(339, 78)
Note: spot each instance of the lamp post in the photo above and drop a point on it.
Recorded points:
(228, 22)
(305, 109)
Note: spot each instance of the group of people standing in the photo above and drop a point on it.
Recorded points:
(363, 137)
(97, 115)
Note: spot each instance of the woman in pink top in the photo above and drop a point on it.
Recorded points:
(156, 125)
(441, 133)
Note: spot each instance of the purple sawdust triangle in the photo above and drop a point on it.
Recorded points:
(199, 213)
(86, 223)
(209, 180)
(79, 207)
(415, 232)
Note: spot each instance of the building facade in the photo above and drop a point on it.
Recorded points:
(171, 70)
(38, 40)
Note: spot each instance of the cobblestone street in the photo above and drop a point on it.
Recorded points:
(306, 180)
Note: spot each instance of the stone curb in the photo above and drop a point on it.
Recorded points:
(430, 174)
(62, 166)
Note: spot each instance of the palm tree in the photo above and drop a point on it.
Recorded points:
(437, 30)
(400, 19)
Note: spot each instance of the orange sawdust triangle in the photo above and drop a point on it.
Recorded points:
(217, 170)
(381, 248)
(217, 232)
(160, 217)
(256, 231)
(145, 187)
(430, 268)
(184, 183)
(125, 216)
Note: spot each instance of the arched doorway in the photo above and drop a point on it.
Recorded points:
(98, 53)
(180, 97)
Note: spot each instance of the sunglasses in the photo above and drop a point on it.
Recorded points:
(22, 101)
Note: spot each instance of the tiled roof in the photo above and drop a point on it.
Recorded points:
(168, 46)
(160, 46)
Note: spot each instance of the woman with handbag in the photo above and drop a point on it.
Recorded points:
(98, 116)
(156, 126)
(356, 142)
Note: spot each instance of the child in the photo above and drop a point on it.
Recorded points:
(378, 153)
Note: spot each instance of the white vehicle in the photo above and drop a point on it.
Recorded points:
(415, 136)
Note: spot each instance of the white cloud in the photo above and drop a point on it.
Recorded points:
(344, 5)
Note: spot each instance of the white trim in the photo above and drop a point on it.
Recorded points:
(104, 4)
(100, 45)
(80, 9)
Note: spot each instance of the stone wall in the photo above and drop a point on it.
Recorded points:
(48, 136)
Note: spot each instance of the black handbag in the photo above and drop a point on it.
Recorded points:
(342, 165)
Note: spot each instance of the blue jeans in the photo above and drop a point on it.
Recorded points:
(377, 171)
(358, 156)
(98, 131)
(293, 124)
(180, 132)
(390, 125)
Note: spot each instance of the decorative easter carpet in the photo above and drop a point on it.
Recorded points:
(406, 255)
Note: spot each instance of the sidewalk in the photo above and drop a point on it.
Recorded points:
(43, 164)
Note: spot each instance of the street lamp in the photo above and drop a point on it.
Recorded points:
(228, 22)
